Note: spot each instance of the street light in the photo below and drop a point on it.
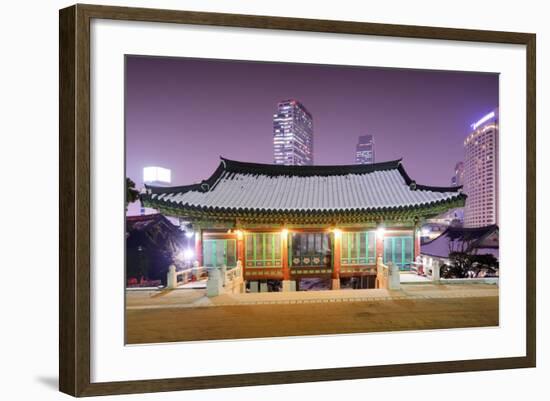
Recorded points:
(186, 255)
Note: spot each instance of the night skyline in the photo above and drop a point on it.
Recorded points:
(183, 114)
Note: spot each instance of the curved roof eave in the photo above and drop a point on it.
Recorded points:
(234, 166)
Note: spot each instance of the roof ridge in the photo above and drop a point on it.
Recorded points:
(275, 170)
(312, 170)
(485, 231)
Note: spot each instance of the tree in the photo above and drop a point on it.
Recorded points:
(138, 263)
(132, 194)
(459, 266)
(460, 241)
(464, 265)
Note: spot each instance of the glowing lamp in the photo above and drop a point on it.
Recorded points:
(188, 254)
(380, 232)
(189, 234)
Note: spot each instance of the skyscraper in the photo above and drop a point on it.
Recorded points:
(364, 151)
(481, 172)
(458, 177)
(292, 134)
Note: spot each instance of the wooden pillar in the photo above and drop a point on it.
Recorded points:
(240, 247)
(337, 256)
(284, 255)
(421, 269)
(198, 246)
(416, 244)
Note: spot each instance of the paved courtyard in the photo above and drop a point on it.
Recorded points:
(188, 315)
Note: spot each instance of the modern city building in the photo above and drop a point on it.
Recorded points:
(292, 134)
(364, 151)
(481, 172)
(157, 176)
(458, 177)
(291, 224)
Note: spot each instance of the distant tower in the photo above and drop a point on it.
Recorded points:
(458, 177)
(364, 151)
(481, 172)
(157, 176)
(292, 134)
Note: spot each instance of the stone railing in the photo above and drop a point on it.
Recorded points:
(432, 268)
(225, 280)
(417, 266)
(382, 274)
(387, 276)
(473, 280)
(176, 278)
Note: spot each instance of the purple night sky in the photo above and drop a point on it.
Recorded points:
(183, 114)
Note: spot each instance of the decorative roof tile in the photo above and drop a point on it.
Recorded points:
(240, 186)
(475, 240)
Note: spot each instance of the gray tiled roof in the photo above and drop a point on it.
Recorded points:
(469, 240)
(262, 187)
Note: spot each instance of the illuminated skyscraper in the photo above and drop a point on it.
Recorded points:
(458, 177)
(157, 176)
(481, 172)
(292, 134)
(364, 151)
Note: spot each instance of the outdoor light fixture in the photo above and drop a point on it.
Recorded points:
(380, 231)
(284, 232)
(425, 232)
(337, 232)
(188, 254)
(189, 234)
(239, 234)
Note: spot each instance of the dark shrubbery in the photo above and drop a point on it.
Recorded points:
(152, 245)
(463, 265)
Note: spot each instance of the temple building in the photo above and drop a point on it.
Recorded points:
(288, 224)
(467, 240)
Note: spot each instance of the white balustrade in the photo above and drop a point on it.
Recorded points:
(387, 276)
(176, 278)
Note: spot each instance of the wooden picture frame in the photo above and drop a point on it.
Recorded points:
(74, 203)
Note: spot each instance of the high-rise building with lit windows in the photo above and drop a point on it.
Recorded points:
(364, 151)
(481, 172)
(292, 134)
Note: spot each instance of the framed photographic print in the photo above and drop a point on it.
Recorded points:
(250, 200)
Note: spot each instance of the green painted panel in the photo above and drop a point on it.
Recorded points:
(399, 251)
(266, 249)
(219, 252)
(358, 248)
